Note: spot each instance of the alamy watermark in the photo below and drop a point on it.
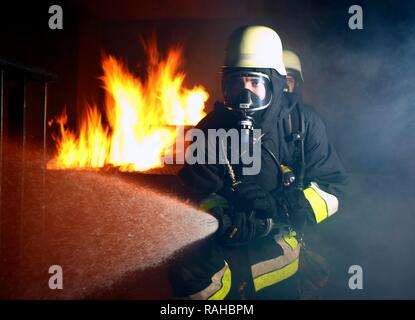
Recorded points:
(356, 280)
(356, 20)
(56, 18)
(56, 280)
(213, 148)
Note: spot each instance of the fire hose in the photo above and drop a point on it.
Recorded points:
(264, 226)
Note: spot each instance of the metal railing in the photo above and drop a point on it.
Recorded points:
(23, 75)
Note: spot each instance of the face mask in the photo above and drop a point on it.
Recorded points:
(294, 81)
(246, 92)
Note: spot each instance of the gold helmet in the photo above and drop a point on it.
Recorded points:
(292, 61)
(255, 47)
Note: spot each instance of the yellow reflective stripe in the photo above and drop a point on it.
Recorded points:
(213, 201)
(289, 256)
(331, 201)
(226, 286)
(291, 240)
(219, 287)
(276, 276)
(207, 205)
(317, 203)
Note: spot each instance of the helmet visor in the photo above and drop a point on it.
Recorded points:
(247, 92)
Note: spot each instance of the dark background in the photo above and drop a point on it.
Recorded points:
(360, 81)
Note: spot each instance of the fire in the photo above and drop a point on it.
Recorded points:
(142, 116)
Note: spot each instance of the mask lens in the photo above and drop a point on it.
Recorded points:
(249, 90)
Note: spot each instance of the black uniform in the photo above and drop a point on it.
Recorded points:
(323, 168)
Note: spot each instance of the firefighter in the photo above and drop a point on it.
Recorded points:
(294, 74)
(314, 269)
(255, 253)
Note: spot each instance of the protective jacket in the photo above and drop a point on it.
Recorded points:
(217, 271)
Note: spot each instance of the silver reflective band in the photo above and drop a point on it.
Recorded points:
(289, 255)
(331, 201)
(272, 271)
(218, 289)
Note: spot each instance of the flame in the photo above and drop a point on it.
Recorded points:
(141, 115)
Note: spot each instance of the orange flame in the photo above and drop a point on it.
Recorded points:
(141, 117)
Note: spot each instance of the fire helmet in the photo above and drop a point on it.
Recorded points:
(255, 47)
(292, 62)
(253, 55)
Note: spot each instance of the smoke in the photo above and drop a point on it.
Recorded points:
(100, 228)
(362, 83)
(96, 226)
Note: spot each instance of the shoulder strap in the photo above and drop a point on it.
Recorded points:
(295, 133)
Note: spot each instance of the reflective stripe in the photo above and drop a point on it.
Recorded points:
(331, 201)
(276, 276)
(226, 286)
(324, 204)
(291, 240)
(317, 203)
(219, 287)
(269, 272)
(213, 201)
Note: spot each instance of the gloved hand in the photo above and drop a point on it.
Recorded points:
(292, 207)
(251, 196)
(235, 227)
(242, 228)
